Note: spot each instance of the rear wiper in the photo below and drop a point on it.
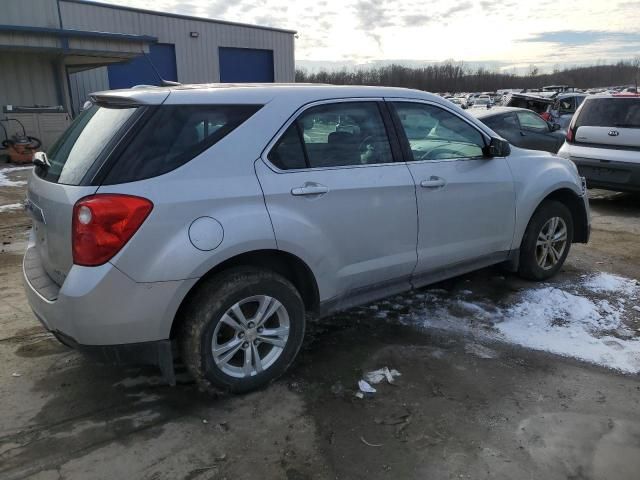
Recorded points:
(40, 160)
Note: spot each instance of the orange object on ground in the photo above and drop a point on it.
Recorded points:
(20, 154)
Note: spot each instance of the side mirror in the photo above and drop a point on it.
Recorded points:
(497, 148)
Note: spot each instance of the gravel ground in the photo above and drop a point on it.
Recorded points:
(471, 401)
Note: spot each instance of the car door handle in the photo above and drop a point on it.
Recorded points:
(310, 189)
(433, 182)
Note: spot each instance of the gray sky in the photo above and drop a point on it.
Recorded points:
(509, 34)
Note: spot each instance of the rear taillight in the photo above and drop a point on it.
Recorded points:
(103, 224)
(570, 135)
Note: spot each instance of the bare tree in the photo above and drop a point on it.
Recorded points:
(454, 77)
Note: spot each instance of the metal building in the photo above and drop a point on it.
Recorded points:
(53, 53)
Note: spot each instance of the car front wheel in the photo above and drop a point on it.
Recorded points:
(546, 241)
(242, 329)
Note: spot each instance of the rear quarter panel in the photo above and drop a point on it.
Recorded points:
(219, 183)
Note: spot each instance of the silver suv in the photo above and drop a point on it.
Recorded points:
(213, 218)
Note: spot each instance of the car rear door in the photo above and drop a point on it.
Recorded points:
(466, 202)
(338, 199)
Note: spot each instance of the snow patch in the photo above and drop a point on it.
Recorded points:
(609, 283)
(10, 207)
(556, 321)
(583, 320)
(6, 182)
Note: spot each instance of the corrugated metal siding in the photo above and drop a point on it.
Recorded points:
(27, 40)
(27, 79)
(105, 45)
(34, 13)
(84, 83)
(197, 58)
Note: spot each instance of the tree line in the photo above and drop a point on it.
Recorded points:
(457, 77)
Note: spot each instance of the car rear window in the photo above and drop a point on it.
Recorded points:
(173, 135)
(83, 142)
(610, 112)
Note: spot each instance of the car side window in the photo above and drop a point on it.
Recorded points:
(510, 121)
(567, 105)
(494, 122)
(436, 134)
(174, 135)
(502, 122)
(334, 135)
(288, 153)
(531, 121)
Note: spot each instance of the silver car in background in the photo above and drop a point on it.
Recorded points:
(207, 221)
(603, 140)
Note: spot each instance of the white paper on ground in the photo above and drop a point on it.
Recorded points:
(376, 376)
(365, 387)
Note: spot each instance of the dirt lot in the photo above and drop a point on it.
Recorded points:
(472, 401)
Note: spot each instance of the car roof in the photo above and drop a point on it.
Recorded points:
(259, 93)
(613, 95)
(571, 94)
(493, 111)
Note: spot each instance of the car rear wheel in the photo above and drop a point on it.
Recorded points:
(546, 241)
(242, 329)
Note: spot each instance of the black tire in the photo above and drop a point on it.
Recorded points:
(528, 267)
(205, 310)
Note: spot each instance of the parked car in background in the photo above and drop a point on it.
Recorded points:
(210, 220)
(559, 88)
(535, 101)
(458, 101)
(564, 107)
(603, 140)
(482, 101)
(522, 128)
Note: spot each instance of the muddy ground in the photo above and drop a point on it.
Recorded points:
(516, 414)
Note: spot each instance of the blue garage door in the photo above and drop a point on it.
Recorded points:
(139, 71)
(243, 65)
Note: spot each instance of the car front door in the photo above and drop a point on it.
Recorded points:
(536, 133)
(466, 201)
(338, 198)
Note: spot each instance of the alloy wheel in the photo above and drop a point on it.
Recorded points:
(551, 243)
(250, 336)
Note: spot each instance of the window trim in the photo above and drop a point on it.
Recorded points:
(404, 141)
(391, 135)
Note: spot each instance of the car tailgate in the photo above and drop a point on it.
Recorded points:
(614, 136)
(51, 207)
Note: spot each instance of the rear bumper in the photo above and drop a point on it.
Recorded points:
(101, 306)
(159, 354)
(612, 169)
(611, 175)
